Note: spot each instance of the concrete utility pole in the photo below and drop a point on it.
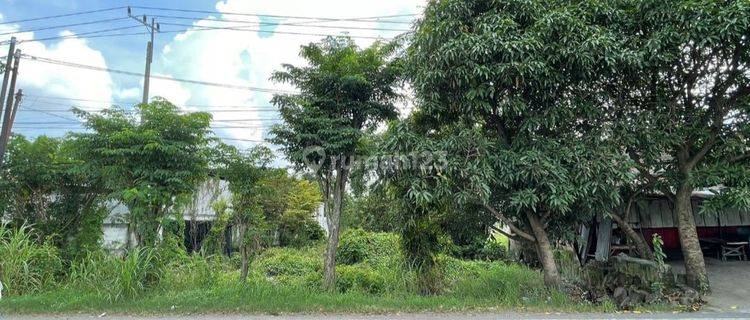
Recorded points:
(10, 108)
(152, 28)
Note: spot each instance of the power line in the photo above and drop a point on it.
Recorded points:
(263, 15)
(199, 82)
(42, 99)
(65, 26)
(83, 35)
(94, 34)
(246, 29)
(305, 24)
(63, 15)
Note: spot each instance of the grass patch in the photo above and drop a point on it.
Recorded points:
(270, 299)
(373, 279)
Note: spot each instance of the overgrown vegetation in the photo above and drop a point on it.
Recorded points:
(372, 278)
(530, 119)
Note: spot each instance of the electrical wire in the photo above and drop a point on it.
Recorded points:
(130, 73)
(93, 34)
(65, 26)
(83, 35)
(63, 15)
(246, 29)
(262, 23)
(261, 15)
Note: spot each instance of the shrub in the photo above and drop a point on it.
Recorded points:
(359, 278)
(288, 262)
(493, 250)
(26, 266)
(298, 228)
(359, 246)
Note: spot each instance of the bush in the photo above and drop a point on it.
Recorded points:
(359, 278)
(298, 228)
(493, 250)
(357, 246)
(26, 266)
(288, 262)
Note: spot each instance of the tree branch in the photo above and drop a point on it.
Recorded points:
(739, 158)
(510, 224)
(510, 236)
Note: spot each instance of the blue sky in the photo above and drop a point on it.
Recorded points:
(240, 58)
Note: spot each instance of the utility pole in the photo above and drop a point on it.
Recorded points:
(10, 108)
(152, 28)
(6, 138)
(8, 67)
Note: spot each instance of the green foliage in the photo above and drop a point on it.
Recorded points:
(45, 187)
(116, 278)
(214, 241)
(151, 161)
(493, 250)
(344, 91)
(298, 228)
(297, 225)
(659, 254)
(193, 272)
(287, 262)
(360, 278)
(29, 264)
(154, 280)
(254, 196)
(507, 283)
(370, 212)
(358, 246)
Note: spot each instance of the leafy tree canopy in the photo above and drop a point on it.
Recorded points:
(151, 160)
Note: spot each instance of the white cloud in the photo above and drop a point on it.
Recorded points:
(248, 59)
(170, 90)
(129, 94)
(51, 79)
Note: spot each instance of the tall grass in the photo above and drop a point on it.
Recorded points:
(117, 278)
(376, 278)
(27, 265)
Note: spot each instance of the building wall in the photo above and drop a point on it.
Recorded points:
(658, 213)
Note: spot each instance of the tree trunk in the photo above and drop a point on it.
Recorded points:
(544, 251)
(695, 266)
(333, 219)
(640, 244)
(244, 254)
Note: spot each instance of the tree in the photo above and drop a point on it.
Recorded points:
(151, 161)
(343, 92)
(681, 105)
(248, 175)
(45, 187)
(506, 90)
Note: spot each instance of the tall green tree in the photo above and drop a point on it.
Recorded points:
(151, 161)
(681, 105)
(344, 91)
(504, 88)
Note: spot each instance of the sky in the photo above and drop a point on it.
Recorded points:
(185, 49)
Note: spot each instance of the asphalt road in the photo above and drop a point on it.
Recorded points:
(400, 316)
